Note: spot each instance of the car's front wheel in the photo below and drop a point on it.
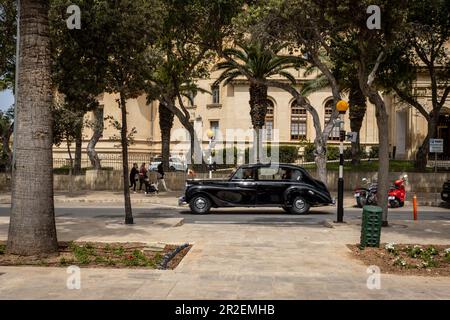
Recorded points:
(200, 204)
(299, 206)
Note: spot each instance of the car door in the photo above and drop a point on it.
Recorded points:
(241, 189)
(270, 186)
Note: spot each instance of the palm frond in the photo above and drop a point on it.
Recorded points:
(314, 85)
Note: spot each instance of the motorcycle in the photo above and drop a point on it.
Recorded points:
(368, 195)
(397, 193)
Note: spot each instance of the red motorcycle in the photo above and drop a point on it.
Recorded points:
(368, 195)
(397, 193)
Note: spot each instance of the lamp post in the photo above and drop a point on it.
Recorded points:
(210, 135)
(342, 107)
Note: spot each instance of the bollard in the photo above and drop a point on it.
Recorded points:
(415, 207)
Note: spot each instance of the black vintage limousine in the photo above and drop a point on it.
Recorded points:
(258, 185)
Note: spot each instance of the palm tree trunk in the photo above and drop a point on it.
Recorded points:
(97, 134)
(258, 110)
(32, 229)
(165, 123)
(124, 142)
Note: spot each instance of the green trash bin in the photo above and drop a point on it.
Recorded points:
(371, 226)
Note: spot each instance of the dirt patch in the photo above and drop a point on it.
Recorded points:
(100, 255)
(406, 259)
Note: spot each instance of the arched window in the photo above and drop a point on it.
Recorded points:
(334, 134)
(298, 122)
(269, 121)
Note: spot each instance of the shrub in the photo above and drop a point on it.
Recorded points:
(332, 153)
(373, 153)
(348, 153)
(287, 153)
(308, 154)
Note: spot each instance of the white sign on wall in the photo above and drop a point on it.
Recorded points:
(436, 145)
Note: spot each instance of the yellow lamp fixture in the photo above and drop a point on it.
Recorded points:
(210, 134)
(342, 106)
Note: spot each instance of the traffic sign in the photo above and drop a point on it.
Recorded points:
(436, 145)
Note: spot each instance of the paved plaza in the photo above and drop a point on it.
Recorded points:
(232, 261)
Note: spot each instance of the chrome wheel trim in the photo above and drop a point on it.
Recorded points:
(200, 203)
(299, 204)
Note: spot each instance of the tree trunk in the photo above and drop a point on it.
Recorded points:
(383, 153)
(357, 111)
(321, 159)
(422, 153)
(78, 145)
(32, 229)
(258, 110)
(165, 123)
(71, 166)
(124, 142)
(97, 134)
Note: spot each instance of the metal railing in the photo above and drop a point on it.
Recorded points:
(106, 160)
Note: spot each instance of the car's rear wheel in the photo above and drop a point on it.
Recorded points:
(299, 206)
(200, 204)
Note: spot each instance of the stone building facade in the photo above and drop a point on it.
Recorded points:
(227, 107)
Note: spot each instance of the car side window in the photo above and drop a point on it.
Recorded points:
(269, 173)
(244, 174)
(291, 174)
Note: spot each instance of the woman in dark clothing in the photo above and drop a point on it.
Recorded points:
(134, 176)
(142, 176)
(160, 177)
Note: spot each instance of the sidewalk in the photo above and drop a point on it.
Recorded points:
(233, 262)
(164, 198)
(171, 198)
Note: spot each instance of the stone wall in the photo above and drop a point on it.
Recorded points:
(112, 180)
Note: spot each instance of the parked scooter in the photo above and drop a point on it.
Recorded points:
(397, 193)
(368, 195)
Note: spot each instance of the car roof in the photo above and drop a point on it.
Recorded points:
(273, 164)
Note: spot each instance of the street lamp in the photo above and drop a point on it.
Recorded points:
(210, 135)
(342, 106)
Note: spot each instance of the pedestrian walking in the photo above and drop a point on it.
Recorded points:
(142, 176)
(160, 177)
(134, 176)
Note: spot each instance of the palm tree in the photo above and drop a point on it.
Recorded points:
(32, 228)
(348, 82)
(259, 62)
(162, 86)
